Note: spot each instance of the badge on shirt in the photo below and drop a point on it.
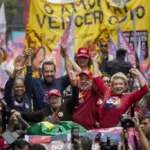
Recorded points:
(60, 114)
(81, 101)
(112, 102)
(99, 102)
(27, 105)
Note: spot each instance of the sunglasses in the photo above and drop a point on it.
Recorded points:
(103, 45)
(107, 81)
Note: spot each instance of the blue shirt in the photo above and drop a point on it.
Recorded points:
(40, 89)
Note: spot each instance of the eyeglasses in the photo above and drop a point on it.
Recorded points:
(103, 45)
(107, 81)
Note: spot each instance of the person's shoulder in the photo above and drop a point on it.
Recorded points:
(62, 77)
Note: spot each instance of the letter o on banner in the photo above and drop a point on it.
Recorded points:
(48, 9)
(140, 12)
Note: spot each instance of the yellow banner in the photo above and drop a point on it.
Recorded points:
(115, 16)
(48, 21)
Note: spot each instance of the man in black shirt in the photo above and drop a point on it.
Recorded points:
(119, 64)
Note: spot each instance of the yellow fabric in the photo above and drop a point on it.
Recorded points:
(47, 124)
(91, 69)
(95, 20)
(124, 17)
(47, 22)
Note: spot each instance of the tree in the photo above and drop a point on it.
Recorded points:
(10, 9)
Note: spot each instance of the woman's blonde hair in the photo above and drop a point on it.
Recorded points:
(122, 76)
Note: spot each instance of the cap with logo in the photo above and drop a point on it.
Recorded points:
(83, 51)
(54, 92)
(88, 73)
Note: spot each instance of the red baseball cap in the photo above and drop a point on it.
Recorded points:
(88, 73)
(83, 51)
(54, 92)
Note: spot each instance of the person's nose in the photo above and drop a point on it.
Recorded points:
(49, 73)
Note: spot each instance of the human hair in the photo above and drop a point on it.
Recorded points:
(18, 78)
(122, 76)
(121, 53)
(37, 147)
(20, 143)
(89, 61)
(48, 63)
(86, 142)
(105, 74)
(146, 116)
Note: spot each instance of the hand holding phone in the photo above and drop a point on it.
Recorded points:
(74, 134)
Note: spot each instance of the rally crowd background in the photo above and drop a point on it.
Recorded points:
(26, 94)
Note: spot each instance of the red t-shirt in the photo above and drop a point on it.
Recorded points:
(114, 106)
(84, 113)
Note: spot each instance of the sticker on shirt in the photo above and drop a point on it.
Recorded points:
(27, 105)
(60, 114)
(99, 102)
(81, 100)
(112, 102)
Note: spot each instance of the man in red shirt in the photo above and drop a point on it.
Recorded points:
(84, 112)
(115, 103)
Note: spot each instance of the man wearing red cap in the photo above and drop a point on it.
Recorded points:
(84, 111)
(57, 110)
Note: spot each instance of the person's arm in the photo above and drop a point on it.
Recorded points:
(9, 85)
(73, 100)
(143, 140)
(75, 66)
(68, 64)
(137, 73)
(94, 57)
(29, 116)
(28, 76)
(8, 92)
(98, 83)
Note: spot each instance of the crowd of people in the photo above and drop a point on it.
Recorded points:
(101, 92)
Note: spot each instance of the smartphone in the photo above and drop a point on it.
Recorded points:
(74, 133)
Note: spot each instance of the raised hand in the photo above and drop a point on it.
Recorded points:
(63, 50)
(136, 123)
(28, 53)
(19, 62)
(94, 56)
(134, 72)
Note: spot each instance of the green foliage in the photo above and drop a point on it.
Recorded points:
(10, 6)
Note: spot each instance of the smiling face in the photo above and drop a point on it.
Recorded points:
(118, 86)
(19, 87)
(85, 82)
(54, 101)
(48, 73)
(82, 61)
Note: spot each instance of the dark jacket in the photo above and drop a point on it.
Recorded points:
(117, 65)
(25, 103)
(64, 114)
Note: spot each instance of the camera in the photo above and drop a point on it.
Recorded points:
(126, 121)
